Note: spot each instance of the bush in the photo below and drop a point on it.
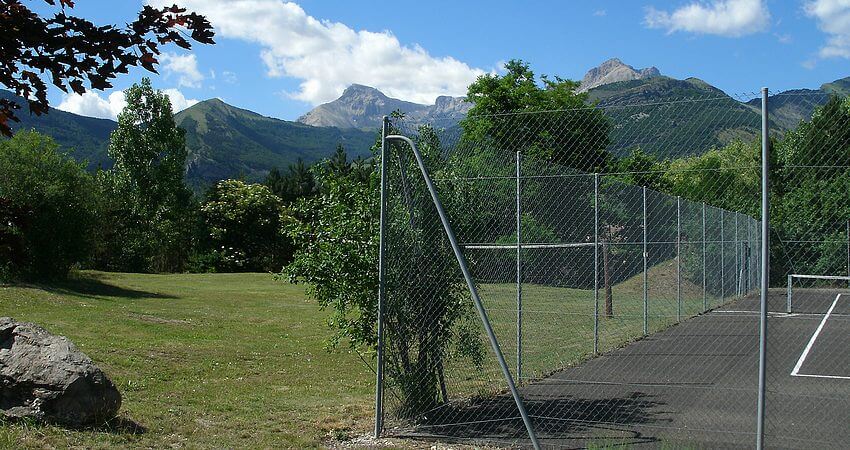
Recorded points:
(47, 206)
(241, 226)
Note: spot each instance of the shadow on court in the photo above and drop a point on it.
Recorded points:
(692, 385)
(496, 420)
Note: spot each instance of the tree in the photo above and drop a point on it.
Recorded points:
(812, 211)
(242, 227)
(428, 314)
(565, 129)
(73, 51)
(297, 182)
(722, 177)
(338, 162)
(47, 208)
(151, 201)
(642, 169)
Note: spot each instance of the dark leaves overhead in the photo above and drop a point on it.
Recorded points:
(71, 52)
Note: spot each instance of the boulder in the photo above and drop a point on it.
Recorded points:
(45, 377)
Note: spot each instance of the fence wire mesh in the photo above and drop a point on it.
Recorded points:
(615, 249)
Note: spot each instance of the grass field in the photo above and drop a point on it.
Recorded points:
(224, 360)
(558, 326)
(218, 360)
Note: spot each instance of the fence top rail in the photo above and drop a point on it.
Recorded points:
(819, 277)
(528, 246)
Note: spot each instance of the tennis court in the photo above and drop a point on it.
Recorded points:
(695, 384)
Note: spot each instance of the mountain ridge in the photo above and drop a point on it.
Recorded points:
(364, 107)
(226, 141)
(613, 71)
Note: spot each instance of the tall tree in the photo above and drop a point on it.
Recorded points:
(565, 130)
(297, 182)
(338, 162)
(149, 151)
(73, 51)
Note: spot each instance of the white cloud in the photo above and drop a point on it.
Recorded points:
(833, 18)
(730, 18)
(179, 102)
(184, 66)
(229, 77)
(329, 56)
(600, 13)
(93, 105)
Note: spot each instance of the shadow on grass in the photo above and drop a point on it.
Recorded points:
(120, 425)
(117, 425)
(563, 421)
(91, 285)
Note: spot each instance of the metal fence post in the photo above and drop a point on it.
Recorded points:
(737, 279)
(645, 279)
(596, 263)
(518, 267)
(788, 294)
(765, 259)
(749, 254)
(704, 280)
(678, 259)
(848, 251)
(473, 290)
(382, 243)
(722, 258)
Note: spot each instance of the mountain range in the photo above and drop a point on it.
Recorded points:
(364, 107)
(225, 141)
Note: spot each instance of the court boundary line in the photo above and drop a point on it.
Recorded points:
(796, 371)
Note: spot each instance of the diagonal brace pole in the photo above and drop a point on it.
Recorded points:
(473, 291)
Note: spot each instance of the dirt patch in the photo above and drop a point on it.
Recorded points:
(156, 319)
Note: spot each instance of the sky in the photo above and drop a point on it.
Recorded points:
(281, 59)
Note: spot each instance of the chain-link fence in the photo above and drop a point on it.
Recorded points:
(590, 277)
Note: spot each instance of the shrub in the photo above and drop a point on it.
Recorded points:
(47, 208)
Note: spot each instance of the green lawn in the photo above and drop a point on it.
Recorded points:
(557, 330)
(218, 360)
(235, 360)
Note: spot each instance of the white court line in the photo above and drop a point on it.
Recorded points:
(796, 371)
(836, 377)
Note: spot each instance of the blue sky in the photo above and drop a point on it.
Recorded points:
(280, 59)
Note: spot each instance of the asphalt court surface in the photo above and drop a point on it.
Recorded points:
(695, 385)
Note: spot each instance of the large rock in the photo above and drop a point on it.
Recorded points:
(45, 377)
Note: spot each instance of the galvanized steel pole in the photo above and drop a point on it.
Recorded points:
(473, 290)
(678, 259)
(722, 258)
(704, 283)
(518, 267)
(765, 260)
(596, 263)
(737, 279)
(645, 280)
(382, 244)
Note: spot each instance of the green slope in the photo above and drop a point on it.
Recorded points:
(84, 138)
(225, 141)
(675, 117)
(839, 87)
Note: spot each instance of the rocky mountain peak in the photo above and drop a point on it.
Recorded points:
(363, 107)
(612, 71)
(359, 89)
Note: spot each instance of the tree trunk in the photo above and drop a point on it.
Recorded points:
(609, 301)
